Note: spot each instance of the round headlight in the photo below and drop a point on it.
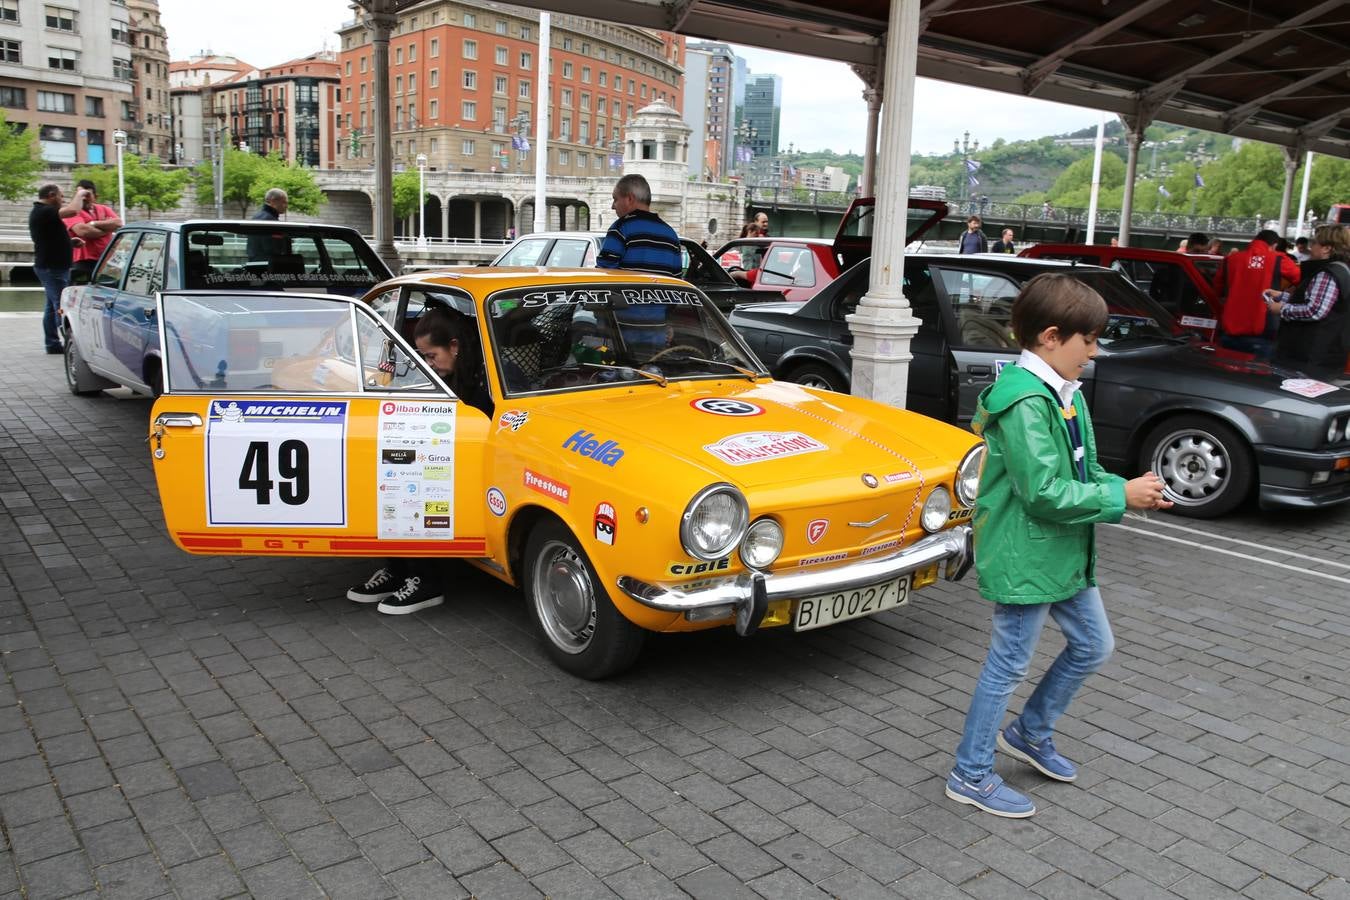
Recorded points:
(968, 474)
(714, 522)
(763, 542)
(1335, 431)
(936, 509)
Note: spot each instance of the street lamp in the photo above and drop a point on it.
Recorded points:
(745, 135)
(965, 147)
(422, 199)
(120, 141)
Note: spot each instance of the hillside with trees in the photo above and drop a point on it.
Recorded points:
(1236, 177)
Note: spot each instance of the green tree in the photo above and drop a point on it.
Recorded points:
(19, 161)
(248, 178)
(1246, 183)
(148, 184)
(1073, 188)
(405, 194)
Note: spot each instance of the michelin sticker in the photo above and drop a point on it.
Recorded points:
(415, 469)
(276, 464)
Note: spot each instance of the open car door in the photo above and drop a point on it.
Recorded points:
(298, 425)
(853, 240)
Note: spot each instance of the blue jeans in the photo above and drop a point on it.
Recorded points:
(54, 281)
(1258, 345)
(1016, 630)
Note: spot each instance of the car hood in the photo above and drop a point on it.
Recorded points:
(767, 434)
(1217, 374)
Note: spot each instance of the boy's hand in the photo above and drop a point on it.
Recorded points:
(1146, 492)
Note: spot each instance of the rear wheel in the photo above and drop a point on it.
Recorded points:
(582, 630)
(1205, 465)
(818, 375)
(81, 381)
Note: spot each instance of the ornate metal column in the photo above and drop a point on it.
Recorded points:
(380, 20)
(872, 90)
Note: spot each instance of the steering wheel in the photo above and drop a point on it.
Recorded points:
(692, 351)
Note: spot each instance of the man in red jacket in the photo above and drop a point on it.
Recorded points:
(1242, 279)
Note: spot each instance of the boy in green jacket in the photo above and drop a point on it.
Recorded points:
(1041, 491)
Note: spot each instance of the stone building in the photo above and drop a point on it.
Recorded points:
(151, 134)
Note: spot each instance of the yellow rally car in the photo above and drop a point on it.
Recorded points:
(631, 465)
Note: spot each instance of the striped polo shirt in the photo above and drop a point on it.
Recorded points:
(642, 242)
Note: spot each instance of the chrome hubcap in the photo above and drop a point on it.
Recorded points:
(1193, 465)
(564, 597)
(814, 381)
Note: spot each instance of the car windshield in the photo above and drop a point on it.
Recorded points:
(279, 256)
(581, 335)
(1133, 314)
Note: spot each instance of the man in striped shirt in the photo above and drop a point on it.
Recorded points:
(640, 241)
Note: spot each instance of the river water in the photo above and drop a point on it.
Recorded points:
(21, 299)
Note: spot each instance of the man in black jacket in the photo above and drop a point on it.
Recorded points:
(52, 256)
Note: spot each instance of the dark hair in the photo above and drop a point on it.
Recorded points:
(442, 327)
(1335, 238)
(48, 190)
(1198, 239)
(1300, 242)
(1281, 245)
(1267, 235)
(87, 185)
(1056, 301)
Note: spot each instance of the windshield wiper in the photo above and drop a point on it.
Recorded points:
(659, 379)
(748, 373)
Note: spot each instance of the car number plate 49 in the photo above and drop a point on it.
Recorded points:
(840, 606)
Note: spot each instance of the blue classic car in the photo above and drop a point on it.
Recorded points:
(111, 335)
(1216, 426)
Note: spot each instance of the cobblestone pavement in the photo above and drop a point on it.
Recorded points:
(197, 727)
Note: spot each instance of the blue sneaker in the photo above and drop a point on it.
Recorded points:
(990, 795)
(1043, 757)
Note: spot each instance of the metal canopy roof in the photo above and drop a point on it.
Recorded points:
(1270, 70)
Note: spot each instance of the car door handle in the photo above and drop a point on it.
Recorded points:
(178, 420)
(979, 370)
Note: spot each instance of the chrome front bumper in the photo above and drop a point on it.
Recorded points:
(750, 593)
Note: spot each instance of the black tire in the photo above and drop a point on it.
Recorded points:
(81, 381)
(819, 375)
(156, 381)
(580, 627)
(1205, 464)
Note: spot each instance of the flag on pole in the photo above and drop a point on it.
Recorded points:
(524, 145)
(972, 165)
(515, 142)
(1164, 191)
(1199, 182)
(974, 182)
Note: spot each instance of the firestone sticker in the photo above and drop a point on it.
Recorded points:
(547, 486)
(758, 446)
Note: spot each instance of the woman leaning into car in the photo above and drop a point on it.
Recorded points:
(1314, 333)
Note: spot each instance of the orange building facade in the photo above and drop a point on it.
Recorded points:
(287, 108)
(464, 83)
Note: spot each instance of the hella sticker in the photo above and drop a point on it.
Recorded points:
(586, 444)
(816, 528)
(496, 502)
(726, 406)
(605, 523)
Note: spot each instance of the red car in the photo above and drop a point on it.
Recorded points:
(799, 267)
(1183, 283)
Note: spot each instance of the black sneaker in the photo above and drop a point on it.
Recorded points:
(377, 587)
(416, 593)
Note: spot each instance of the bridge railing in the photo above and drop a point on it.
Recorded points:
(1027, 213)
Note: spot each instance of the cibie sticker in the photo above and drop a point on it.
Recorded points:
(727, 406)
(815, 530)
(513, 419)
(496, 502)
(757, 446)
(605, 523)
(1306, 387)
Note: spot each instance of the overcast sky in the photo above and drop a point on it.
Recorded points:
(822, 101)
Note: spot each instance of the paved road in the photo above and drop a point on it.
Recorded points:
(172, 725)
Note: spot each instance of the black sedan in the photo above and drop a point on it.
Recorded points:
(1216, 426)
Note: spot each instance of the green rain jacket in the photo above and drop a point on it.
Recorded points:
(1034, 518)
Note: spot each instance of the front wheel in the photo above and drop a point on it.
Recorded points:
(582, 630)
(817, 375)
(1205, 465)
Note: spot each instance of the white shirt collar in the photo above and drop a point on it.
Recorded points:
(1064, 390)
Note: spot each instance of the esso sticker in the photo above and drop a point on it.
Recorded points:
(726, 406)
(496, 502)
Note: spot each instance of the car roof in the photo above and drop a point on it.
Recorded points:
(1122, 252)
(594, 235)
(235, 223)
(486, 279)
(817, 241)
